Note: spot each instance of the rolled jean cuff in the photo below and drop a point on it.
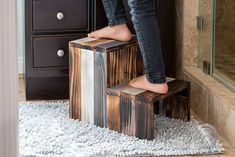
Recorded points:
(117, 22)
(159, 80)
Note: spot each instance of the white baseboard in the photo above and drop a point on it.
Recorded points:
(21, 65)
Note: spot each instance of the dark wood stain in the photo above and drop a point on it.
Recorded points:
(113, 117)
(144, 105)
(45, 58)
(39, 88)
(75, 80)
(174, 87)
(45, 12)
(123, 64)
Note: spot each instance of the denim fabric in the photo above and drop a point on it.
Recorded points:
(147, 30)
(115, 12)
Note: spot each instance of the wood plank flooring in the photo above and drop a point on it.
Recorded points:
(21, 85)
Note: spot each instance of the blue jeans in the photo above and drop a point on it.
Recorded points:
(147, 30)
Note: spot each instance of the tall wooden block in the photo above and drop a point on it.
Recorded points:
(95, 65)
(131, 111)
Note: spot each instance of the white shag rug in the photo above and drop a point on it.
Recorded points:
(47, 131)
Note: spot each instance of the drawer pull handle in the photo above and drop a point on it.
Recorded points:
(60, 53)
(60, 15)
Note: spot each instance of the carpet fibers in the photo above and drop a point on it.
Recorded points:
(47, 131)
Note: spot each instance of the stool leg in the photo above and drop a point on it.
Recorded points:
(75, 83)
(163, 108)
(184, 98)
(144, 120)
(156, 107)
(130, 117)
(113, 115)
(179, 107)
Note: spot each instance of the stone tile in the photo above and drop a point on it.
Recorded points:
(218, 106)
(221, 116)
(211, 110)
(197, 75)
(213, 86)
(199, 100)
(186, 28)
(218, 89)
(212, 101)
(231, 101)
(231, 127)
(190, 32)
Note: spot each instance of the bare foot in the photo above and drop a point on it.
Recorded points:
(141, 82)
(119, 32)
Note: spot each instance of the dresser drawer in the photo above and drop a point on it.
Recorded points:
(52, 51)
(52, 15)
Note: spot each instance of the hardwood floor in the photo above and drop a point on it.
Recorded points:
(229, 151)
(21, 95)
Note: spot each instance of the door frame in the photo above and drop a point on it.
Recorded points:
(9, 129)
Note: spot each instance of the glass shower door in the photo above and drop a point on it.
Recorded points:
(224, 42)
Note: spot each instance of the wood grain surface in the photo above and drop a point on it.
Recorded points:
(75, 82)
(95, 65)
(131, 111)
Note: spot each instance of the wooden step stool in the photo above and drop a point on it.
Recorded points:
(95, 65)
(131, 111)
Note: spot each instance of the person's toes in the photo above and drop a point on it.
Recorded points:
(92, 34)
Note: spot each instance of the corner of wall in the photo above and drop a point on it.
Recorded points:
(186, 43)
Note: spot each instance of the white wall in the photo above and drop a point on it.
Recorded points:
(8, 80)
(21, 43)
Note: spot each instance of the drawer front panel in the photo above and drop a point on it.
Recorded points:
(47, 88)
(51, 15)
(52, 51)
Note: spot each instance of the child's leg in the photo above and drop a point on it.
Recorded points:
(148, 34)
(115, 12)
(117, 28)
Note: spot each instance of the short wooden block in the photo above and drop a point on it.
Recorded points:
(95, 65)
(131, 111)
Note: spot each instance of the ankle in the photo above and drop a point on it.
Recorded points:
(123, 30)
(127, 36)
(165, 89)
